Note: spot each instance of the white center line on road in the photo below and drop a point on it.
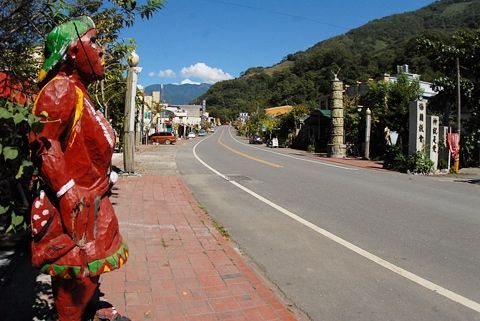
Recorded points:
(294, 157)
(372, 257)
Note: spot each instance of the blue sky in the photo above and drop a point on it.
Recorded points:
(194, 41)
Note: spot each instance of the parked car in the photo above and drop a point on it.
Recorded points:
(202, 132)
(163, 138)
(255, 139)
(191, 135)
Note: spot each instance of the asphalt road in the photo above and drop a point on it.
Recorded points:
(343, 243)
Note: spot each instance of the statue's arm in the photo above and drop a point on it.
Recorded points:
(56, 108)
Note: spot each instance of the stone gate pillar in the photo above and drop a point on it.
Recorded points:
(337, 148)
(433, 138)
(417, 126)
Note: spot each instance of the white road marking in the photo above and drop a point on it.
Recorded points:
(294, 157)
(372, 257)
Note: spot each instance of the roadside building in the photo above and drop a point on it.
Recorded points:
(314, 133)
(180, 119)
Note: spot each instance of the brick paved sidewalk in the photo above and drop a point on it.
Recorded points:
(180, 267)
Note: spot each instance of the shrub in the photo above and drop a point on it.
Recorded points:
(16, 169)
(394, 159)
(420, 163)
(442, 164)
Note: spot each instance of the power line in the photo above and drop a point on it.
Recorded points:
(278, 13)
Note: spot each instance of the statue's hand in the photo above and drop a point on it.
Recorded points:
(71, 210)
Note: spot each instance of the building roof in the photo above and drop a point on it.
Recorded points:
(280, 110)
(191, 110)
(325, 112)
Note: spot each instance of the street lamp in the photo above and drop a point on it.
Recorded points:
(129, 125)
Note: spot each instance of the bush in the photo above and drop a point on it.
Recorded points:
(420, 163)
(394, 159)
(442, 164)
(16, 169)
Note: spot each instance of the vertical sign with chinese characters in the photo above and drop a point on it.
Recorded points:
(417, 126)
(443, 152)
(433, 139)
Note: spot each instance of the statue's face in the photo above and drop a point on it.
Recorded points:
(88, 56)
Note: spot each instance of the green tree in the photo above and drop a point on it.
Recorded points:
(23, 25)
(388, 102)
(289, 122)
(269, 125)
(464, 46)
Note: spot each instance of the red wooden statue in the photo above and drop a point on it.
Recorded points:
(75, 231)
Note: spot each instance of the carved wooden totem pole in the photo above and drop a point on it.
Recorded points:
(336, 147)
(75, 231)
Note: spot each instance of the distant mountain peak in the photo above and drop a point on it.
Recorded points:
(178, 94)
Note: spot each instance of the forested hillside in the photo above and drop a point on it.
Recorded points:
(362, 53)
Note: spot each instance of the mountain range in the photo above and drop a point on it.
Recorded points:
(362, 53)
(179, 94)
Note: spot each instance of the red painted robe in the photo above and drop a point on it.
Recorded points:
(76, 143)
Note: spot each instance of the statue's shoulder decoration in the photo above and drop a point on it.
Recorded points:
(59, 39)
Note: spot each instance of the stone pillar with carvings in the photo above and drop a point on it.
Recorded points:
(337, 148)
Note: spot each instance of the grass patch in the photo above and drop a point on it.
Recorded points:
(220, 229)
(217, 226)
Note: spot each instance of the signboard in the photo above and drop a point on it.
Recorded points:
(274, 142)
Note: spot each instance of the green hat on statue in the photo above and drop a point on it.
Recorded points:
(59, 39)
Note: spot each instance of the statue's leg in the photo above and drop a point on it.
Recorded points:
(71, 296)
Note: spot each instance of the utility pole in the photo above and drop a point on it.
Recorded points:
(368, 120)
(142, 121)
(129, 125)
(138, 129)
(459, 108)
(456, 164)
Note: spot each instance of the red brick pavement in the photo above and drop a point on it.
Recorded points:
(180, 267)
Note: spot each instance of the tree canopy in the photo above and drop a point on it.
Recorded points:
(464, 46)
(23, 27)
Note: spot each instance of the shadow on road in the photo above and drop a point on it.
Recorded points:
(470, 181)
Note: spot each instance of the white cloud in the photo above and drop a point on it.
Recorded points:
(205, 73)
(167, 73)
(188, 81)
